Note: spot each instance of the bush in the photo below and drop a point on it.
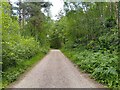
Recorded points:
(102, 65)
(15, 48)
(18, 52)
(15, 52)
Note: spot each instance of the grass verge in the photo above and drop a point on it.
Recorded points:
(13, 73)
(102, 66)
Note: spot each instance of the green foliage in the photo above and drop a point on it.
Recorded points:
(110, 22)
(13, 73)
(102, 65)
(15, 48)
(18, 51)
(95, 28)
(91, 39)
(55, 41)
(32, 20)
(90, 26)
(109, 40)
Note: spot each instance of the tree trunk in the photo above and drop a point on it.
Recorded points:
(20, 17)
(117, 13)
(23, 21)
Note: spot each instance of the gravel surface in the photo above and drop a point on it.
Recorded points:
(55, 71)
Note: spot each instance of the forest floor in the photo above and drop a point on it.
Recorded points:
(55, 71)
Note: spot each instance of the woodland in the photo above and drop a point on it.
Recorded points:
(87, 33)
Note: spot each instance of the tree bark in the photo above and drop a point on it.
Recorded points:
(20, 17)
(117, 13)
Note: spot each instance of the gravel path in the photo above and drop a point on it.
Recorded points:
(55, 71)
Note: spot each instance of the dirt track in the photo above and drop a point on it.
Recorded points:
(55, 71)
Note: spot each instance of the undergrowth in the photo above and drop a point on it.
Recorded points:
(13, 73)
(102, 65)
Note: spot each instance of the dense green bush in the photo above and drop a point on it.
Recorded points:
(12, 73)
(14, 52)
(102, 65)
(96, 30)
(15, 48)
(18, 51)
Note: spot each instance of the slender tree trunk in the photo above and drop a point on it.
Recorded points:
(110, 9)
(117, 13)
(23, 21)
(20, 17)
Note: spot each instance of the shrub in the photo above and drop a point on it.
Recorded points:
(102, 65)
(15, 48)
